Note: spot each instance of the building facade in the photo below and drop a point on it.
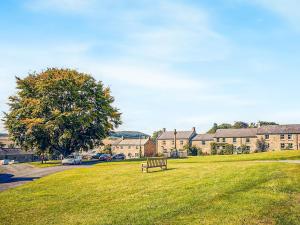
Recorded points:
(134, 148)
(203, 141)
(16, 154)
(174, 140)
(6, 141)
(276, 137)
(237, 137)
(281, 137)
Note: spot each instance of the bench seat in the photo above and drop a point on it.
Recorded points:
(154, 162)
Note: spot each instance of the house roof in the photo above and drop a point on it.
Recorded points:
(134, 142)
(180, 135)
(111, 141)
(204, 137)
(244, 132)
(279, 129)
(14, 151)
(115, 141)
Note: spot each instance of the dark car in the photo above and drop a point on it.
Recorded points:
(105, 157)
(120, 156)
(96, 156)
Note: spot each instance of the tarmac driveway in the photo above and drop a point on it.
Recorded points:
(17, 174)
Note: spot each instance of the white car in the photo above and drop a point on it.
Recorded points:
(4, 162)
(72, 160)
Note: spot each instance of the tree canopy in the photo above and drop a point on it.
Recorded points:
(238, 125)
(60, 110)
(156, 134)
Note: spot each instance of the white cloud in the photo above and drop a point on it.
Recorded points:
(181, 33)
(77, 6)
(287, 9)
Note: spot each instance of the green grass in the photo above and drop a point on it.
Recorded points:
(46, 164)
(197, 190)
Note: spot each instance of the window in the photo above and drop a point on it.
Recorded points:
(268, 145)
(121, 147)
(223, 147)
(290, 145)
(224, 139)
(234, 140)
(136, 154)
(164, 142)
(290, 136)
(173, 142)
(181, 142)
(218, 139)
(247, 140)
(282, 146)
(267, 136)
(129, 147)
(281, 136)
(203, 142)
(136, 147)
(248, 148)
(218, 147)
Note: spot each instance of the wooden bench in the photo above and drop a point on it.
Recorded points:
(154, 162)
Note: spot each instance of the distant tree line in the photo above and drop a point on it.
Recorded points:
(239, 125)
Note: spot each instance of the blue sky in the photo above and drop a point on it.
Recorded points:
(173, 64)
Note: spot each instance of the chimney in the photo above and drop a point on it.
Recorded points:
(194, 129)
(164, 129)
(122, 137)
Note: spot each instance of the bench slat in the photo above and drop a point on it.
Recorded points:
(155, 162)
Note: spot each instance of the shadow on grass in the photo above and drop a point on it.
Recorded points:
(158, 171)
(9, 178)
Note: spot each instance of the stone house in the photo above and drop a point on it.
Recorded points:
(236, 137)
(6, 141)
(132, 147)
(174, 140)
(16, 154)
(280, 137)
(203, 142)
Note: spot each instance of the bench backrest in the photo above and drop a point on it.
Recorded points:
(156, 162)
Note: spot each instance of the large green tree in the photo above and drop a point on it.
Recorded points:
(60, 110)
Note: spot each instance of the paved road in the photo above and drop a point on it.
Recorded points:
(17, 174)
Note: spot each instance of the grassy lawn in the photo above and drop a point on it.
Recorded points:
(46, 164)
(197, 190)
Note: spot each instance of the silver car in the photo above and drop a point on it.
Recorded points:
(72, 160)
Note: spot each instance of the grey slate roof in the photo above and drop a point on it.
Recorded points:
(279, 129)
(227, 133)
(180, 135)
(204, 137)
(133, 142)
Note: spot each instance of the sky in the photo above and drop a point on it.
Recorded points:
(169, 63)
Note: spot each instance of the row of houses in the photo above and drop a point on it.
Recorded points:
(277, 137)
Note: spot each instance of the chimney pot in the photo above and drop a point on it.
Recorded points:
(164, 129)
(194, 129)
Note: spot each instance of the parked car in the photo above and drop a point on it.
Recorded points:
(120, 156)
(72, 160)
(4, 162)
(105, 157)
(96, 156)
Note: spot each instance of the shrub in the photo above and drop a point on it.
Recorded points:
(261, 145)
(213, 148)
(244, 149)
